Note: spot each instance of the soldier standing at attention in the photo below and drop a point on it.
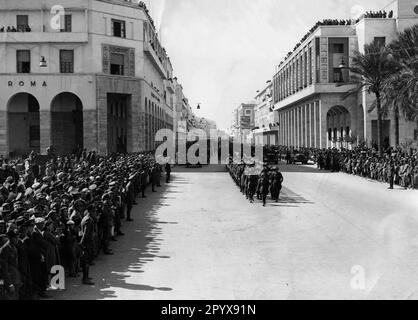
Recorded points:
(143, 183)
(391, 174)
(129, 199)
(154, 178)
(168, 172)
(86, 244)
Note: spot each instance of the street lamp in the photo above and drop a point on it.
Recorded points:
(43, 63)
(343, 65)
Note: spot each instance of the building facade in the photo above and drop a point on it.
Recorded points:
(265, 118)
(87, 73)
(310, 85)
(243, 121)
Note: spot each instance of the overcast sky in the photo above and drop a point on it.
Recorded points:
(223, 51)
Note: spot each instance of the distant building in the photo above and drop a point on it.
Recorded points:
(265, 119)
(243, 119)
(309, 85)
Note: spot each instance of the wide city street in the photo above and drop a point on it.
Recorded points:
(331, 236)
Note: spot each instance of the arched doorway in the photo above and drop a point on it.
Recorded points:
(66, 123)
(23, 124)
(339, 127)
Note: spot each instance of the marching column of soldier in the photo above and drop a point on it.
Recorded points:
(256, 181)
(65, 212)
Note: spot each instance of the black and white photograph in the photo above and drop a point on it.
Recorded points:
(208, 150)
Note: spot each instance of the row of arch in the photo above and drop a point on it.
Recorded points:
(24, 123)
(340, 126)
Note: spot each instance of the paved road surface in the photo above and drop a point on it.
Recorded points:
(199, 238)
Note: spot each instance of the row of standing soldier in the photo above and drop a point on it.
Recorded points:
(65, 213)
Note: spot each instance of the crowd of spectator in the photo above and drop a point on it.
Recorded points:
(65, 211)
(394, 166)
(379, 14)
(14, 29)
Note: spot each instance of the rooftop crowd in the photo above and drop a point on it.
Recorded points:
(65, 212)
(339, 22)
(14, 29)
(394, 166)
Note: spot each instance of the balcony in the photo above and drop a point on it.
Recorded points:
(169, 85)
(149, 50)
(43, 37)
(312, 90)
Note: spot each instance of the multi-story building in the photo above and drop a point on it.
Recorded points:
(265, 118)
(88, 73)
(243, 121)
(310, 85)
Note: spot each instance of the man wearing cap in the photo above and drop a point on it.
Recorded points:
(264, 186)
(9, 263)
(24, 226)
(105, 223)
(129, 200)
(37, 258)
(86, 244)
(276, 184)
(144, 182)
(167, 172)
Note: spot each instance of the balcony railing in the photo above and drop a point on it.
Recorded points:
(52, 37)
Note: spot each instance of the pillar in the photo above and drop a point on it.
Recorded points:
(45, 127)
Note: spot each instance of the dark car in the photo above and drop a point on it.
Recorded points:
(300, 158)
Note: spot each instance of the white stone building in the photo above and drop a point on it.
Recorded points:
(96, 77)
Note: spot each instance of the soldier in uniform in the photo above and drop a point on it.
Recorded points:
(167, 172)
(105, 223)
(86, 244)
(264, 186)
(391, 174)
(24, 225)
(276, 184)
(252, 186)
(37, 258)
(154, 178)
(129, 199)
(144, 176)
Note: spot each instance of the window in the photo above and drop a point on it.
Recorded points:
(117, 64)
(66, 23)
(23, 61)
(67, 61)
(380, 41)
(338, 48)
(247, 112)
(338, 76)
(118, 28)
(22, 22)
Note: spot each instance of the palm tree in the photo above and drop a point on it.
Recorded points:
(401, 89)
(371, 70)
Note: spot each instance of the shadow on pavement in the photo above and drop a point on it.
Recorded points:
(140, 245)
